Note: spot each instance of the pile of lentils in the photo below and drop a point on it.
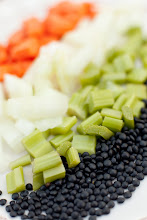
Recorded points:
(91, 188)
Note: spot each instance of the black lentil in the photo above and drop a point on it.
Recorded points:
(112, 174)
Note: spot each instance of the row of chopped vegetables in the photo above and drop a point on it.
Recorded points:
(108, 99)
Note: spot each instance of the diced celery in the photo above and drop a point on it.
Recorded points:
(67, 124)
(120, 102)
(128, 116)
(107, 68)
(96, 118)
(72, 157)
(111, 113)
(137, 108)
(59, 139)
(133, 31)
(113, 124)
(144, 60)
(137, 76)
(36, 144)
(113, 53)
(130, 101)
(54, 173)
(90, 76)
(116, 89)
(22, 161)
(84, 91)
(77, 106)
(84, 143)
(100, 99)
(46, 133)
(15, 181)
(46, 162)
(123, 63)
(115, 77)
(138, 90)
(38, 181)
(99, 131)
(143, 51)
(62, 149)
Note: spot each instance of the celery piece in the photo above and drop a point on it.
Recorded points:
(15, 180)
(77, 106)
(54, 173)
(116, 89)
(22, 161)
(115, 77)
(143, 51)
(67, 124)
(59, 139)
(130, 101)
(62, 149)
(96, 118)
(144, 60)
(90, 76)
(133, 31)
(100, 99)
(36, 144)
(46, 133)
(120, 102)
(113, 124)
(113, 53)
(123, 63)
(99, 131)
(84, 143)
(72, 157)
(84, 91)
(38, 181)
(137, 89)
(107, 68)
(128, 116)
(46, 162)
(137, 76)
(111, 113)
(137, 108)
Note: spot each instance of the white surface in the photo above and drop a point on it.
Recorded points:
(12, 13)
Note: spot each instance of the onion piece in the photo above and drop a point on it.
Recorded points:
(16, 87)
(24, 126)
(48, 123)
(37, 107)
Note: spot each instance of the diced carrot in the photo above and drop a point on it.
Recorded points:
(28, 49)
(3, 54)
(33, 27)
(47, 39)
(58, 25)
(16, 38)
(5, 68)
(20, 67)
(64, 8)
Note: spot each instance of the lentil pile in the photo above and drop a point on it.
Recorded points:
(92, 187)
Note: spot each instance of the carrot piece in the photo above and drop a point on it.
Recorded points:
(47, 39)
(3, 54)
(16, 38)
(28, 49)
(5, 68)
(19, 68)
(33, 27)
(58, 25)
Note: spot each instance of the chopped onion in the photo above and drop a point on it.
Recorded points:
(11, 135)
(48, 123)
(24, 126)
(16, 87)
(37, 107)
